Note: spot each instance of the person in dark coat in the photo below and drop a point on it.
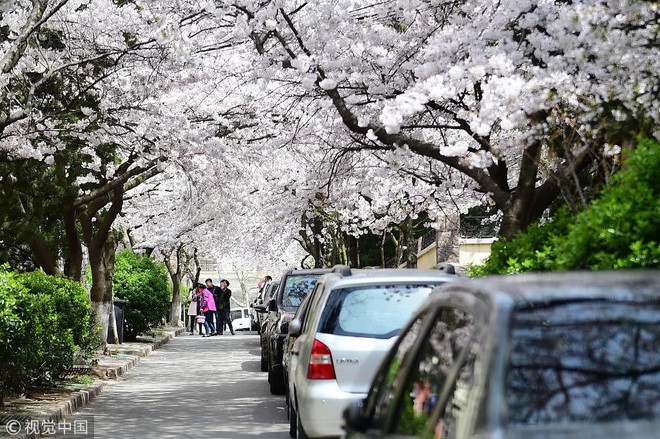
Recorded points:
(225, 307)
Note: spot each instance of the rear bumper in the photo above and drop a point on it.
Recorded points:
(321, 404)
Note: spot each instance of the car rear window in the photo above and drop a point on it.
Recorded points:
(585, 361)
(297, 287)
(371, 311)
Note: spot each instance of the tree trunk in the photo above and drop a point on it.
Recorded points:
(353, 244)
(244, 289)
(43, 256)
(198, 268)
(74, 261)
(176, 275)
(409, 244)
(113, 325)
(175, 309)
(102, 264)
(382, 249)
(319, 248)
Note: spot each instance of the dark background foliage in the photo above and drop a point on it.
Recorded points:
(143, 285)
(619, 230)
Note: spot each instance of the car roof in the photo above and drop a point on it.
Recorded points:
(298, 271)
(384, 276)
(579, 285)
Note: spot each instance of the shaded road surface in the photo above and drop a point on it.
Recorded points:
(193, 387)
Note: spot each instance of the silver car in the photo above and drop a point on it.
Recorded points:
(354, 318)
(542, 356)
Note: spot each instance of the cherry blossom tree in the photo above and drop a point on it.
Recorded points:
(521, 97)
(255, 132)
(81, 82)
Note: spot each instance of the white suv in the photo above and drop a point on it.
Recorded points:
(354, 318)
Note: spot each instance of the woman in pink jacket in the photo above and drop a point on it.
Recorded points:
(207, 306)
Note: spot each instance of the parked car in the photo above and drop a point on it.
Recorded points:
(294, 286)
(241, 318)
(262, 311)
(352, 319)
(264, 295)
(289, 341)
(563, 355)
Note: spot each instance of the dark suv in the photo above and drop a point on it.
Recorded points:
(553, 355)
(294, 286)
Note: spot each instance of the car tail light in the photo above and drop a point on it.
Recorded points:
(320, 363)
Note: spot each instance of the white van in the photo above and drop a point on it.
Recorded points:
(241, 319)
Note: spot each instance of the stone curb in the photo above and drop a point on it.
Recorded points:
(130, 357)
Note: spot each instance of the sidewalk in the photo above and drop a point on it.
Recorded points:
(54, 405)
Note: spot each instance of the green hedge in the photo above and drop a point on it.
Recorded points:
(531, 251)
(46, 323)
(619, 230)
(143, 284)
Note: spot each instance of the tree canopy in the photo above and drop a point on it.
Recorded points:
(241, 127)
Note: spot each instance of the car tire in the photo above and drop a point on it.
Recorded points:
(277, 386)
(276, 381)
(264, 361)
(300, 431)
(293, 422)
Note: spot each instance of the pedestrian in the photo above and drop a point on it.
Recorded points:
(217, 296)
(225, 306)
(193, 310)
(263, 283)
(197, 297)
(208, 308)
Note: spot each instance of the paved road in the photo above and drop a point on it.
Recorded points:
(193, 387)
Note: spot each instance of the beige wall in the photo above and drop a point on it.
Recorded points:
(474, 251)
(470, 251)
(427, 257)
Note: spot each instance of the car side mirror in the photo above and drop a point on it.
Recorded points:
(295, 327)
(354, 418)
(272, 305)
(260, 308)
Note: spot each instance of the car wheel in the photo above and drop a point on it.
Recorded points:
(264, 360)
(300, 431)
(276, 383)
(293, 422)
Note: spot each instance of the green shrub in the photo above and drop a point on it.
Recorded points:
(530, 251)
(72, 305)
(619, 230)
(143, 285)
(44, 323)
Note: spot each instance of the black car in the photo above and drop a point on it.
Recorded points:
(264, 296)
(293, 287)
(262, 317)
(560, 355)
